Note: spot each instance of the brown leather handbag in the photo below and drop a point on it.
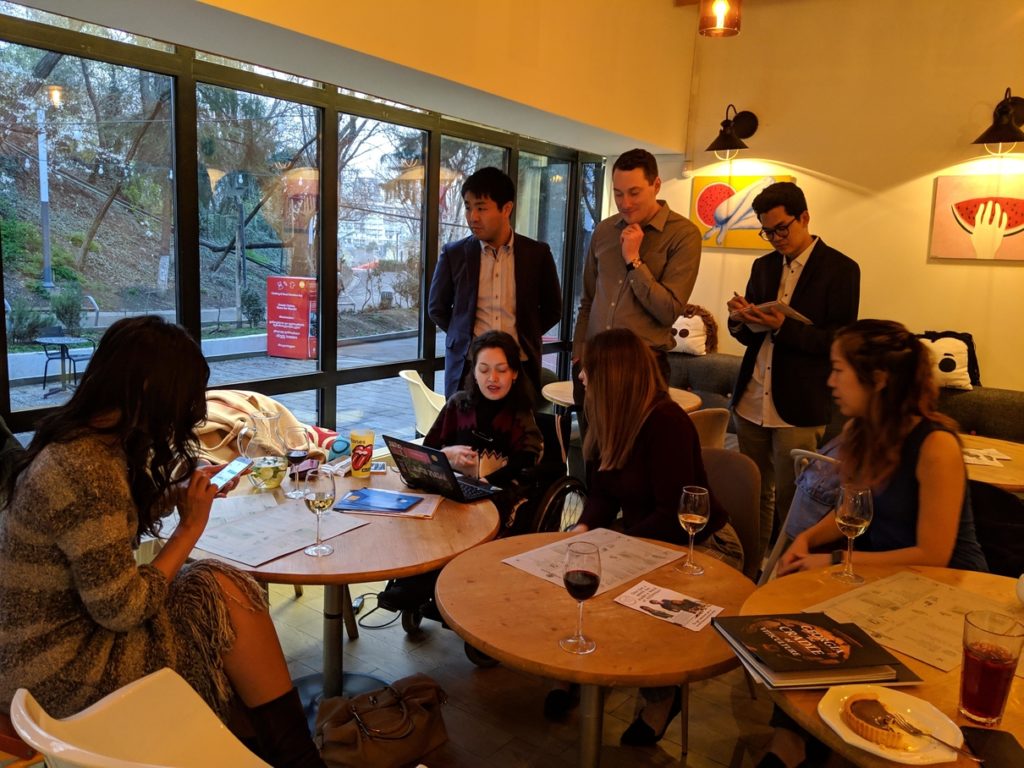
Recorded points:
(387, 728)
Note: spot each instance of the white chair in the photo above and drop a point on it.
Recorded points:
(426, 403)
(158, 721)
(801, 459)
(711, 424)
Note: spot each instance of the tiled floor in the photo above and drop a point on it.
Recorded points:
(494, 715)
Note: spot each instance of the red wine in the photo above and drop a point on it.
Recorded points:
(581, 584)
(985, 681)
(296, 456)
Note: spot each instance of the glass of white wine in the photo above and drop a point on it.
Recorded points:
(319, 497)
(694, 509)
(854, 511)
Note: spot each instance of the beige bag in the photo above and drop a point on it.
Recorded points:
(387, 728)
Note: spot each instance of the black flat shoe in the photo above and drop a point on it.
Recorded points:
(560, 702)
(640, 734)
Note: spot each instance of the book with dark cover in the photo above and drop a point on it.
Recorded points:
(809, 650)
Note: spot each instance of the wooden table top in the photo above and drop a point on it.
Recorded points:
(387, 547)
(560, 393)
(518, 619)
(1010, 476)
(795, 592)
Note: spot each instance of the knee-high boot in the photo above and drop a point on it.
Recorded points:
(283, 733)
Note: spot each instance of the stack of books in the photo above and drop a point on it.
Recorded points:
(810, 650)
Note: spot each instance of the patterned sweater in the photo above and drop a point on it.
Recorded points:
(78, 617)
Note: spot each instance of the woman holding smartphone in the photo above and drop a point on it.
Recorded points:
(78, 617)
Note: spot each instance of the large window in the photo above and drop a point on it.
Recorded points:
(264, 211)
(86, 210)
(381, 175)
(259, 191)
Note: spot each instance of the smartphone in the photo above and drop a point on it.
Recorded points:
(231, 471)
(997, 748)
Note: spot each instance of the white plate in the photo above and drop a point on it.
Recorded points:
(920, 750)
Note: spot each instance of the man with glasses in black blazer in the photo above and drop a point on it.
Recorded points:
(781, 400)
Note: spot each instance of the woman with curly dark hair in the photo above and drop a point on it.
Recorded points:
(78, 617)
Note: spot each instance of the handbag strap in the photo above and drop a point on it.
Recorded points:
(406, 725)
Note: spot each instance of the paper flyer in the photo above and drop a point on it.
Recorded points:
(669, 606)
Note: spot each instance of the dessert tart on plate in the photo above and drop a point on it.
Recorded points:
(867, 717)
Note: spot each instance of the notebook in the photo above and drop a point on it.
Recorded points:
(428, 468)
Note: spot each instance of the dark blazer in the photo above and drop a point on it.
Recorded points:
(453, 295)
(828, 293)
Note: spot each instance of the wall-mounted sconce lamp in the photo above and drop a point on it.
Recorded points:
(742, 125)
(1005, 130)
(719, 18)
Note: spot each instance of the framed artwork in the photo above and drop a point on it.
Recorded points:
(978, 217)
(721, 209)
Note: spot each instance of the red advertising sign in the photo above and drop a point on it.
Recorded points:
(292, 317)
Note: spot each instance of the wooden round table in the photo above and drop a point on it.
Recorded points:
(1010, 476)
(386, 548)
(560, 393)
(519, 618)
(793, 593)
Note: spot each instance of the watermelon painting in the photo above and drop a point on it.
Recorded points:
(968, 216)
(721, 209)
(966, 211)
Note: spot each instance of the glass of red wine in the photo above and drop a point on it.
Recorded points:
(296, 444)
(581, 575)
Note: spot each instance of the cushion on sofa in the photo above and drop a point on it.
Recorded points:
(973, 369)
(690, 335)
(949, 362)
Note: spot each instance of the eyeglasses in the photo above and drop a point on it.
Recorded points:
(780, 231)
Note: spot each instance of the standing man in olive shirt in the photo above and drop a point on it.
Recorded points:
(641, 265)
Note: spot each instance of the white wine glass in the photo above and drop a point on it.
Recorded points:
(694, 509)
(319, 497)
(581, 576)
(854, 512)
(296, 445)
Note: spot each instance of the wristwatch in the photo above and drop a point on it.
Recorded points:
(630, 266)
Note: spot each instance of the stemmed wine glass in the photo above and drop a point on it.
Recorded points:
(319, 497)
(854, 511)
(296, 444)
(581, 575)
(694, 509)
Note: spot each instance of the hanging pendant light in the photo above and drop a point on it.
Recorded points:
(719, 18)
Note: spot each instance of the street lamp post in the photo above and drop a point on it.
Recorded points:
(44, 198)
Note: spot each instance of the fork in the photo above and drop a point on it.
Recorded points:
(901, 722)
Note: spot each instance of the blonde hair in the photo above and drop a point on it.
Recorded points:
(623, 383)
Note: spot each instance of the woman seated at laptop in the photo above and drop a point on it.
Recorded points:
(78, 617)
(641, 449)
(488, 428)
(900, 446)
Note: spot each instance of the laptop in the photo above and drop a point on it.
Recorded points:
(428, 469)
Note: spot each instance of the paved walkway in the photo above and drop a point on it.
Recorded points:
(383, 405)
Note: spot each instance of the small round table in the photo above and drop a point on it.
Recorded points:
(793, 593)
(519, 618)
(1010, 476)
(386, 548)
(560, 393)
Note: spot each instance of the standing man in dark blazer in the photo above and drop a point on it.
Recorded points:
(493, 280)
(781, 400)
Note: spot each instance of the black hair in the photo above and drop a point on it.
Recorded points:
(493, 183)
(145, 386)
(638, 158)
(784, 193)
(520, 394)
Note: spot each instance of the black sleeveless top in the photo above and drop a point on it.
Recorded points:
(896, 509)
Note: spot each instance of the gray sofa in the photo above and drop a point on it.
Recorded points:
(984, 411)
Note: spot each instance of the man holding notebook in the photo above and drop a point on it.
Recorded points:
(781, 399)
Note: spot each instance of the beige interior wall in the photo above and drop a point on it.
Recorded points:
(623, 66)
(866, 102)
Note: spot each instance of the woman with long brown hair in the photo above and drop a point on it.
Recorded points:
(641, 449)
(900, 446)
